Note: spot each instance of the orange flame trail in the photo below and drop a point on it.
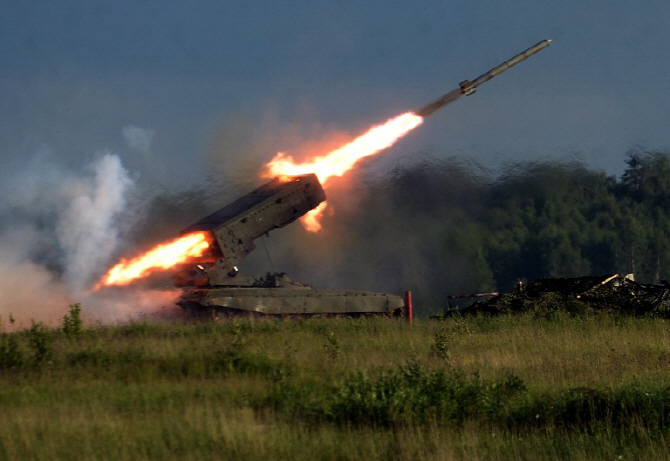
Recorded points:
(162, 256)
(339, 161)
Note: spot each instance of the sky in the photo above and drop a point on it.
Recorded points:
(184, 90)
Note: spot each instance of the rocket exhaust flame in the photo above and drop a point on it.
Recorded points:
(339, 161)
(312, 219)
(163, 256)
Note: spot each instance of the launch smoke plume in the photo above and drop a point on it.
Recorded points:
(58, 231)
(87, 229)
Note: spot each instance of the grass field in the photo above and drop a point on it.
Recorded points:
(522, 387)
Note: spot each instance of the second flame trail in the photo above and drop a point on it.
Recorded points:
(342, 159)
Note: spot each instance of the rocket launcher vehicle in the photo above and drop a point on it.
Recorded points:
(212, 285)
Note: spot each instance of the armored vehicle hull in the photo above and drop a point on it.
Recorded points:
(283, 301)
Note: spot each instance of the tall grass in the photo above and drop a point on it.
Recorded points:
(557, 387)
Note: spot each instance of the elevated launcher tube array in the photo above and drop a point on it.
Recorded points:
(233, 229)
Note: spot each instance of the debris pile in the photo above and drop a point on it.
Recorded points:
(610, 293)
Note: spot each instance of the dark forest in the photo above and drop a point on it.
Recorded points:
(454, 227)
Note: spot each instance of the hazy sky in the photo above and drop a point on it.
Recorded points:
(201, 81)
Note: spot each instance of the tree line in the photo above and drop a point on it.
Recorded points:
(448, 226)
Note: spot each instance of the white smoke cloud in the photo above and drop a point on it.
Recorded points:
(59, 231)
(88, 229)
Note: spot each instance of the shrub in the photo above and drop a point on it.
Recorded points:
(10, 354)
(332, 347)
(440, 346)
(414, 393)
(40, 344)
(72, 325)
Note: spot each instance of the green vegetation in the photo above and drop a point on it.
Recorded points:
(557, 386)
(72, 322)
